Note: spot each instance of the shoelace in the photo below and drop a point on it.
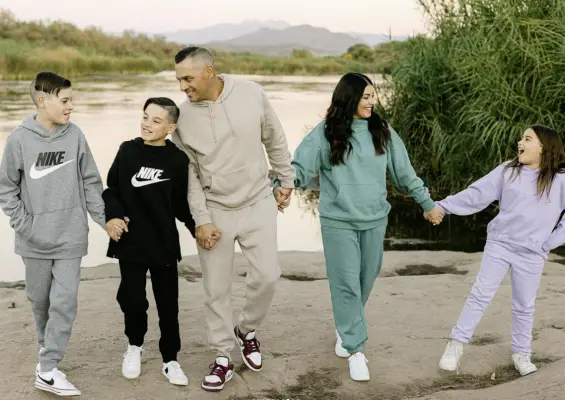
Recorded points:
(175, 368)
(218, 370)
(131, 351)
(251, 345)
(58, 372)
(524, 358)
(359, 356)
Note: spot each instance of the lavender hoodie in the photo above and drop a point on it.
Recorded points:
(524, 218)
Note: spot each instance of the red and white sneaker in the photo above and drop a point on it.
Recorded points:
(220, 373)
(249, 347)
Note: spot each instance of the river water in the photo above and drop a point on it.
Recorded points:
(108, 109)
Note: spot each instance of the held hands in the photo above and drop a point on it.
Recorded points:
(207, 235)
(116, 227)
(435, 215)
(282, 197)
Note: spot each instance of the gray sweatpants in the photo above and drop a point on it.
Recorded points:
(52, 289)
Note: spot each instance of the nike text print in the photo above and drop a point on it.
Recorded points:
(52, 159)
(148, 176)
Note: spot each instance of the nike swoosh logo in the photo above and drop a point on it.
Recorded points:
(50, 383)
(136, 183)
(36, 174)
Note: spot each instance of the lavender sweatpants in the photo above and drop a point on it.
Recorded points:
(526, 269)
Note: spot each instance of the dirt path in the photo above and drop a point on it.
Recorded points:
(414, 304)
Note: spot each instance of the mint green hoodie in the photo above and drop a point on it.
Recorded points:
(353, 195)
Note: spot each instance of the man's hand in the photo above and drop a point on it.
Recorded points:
(207, 235)
(282, 197)
(116, 227)
(435, 215)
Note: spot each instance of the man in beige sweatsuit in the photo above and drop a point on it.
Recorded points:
(225, 126)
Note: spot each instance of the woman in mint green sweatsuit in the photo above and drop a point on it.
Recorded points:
(353, 202)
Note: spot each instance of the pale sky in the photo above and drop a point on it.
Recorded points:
(403, 17)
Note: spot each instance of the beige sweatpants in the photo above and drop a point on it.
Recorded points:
(255, 229)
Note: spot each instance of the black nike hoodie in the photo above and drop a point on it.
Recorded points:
(148, 184)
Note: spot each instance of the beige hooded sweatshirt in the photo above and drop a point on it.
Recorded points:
(224, 140)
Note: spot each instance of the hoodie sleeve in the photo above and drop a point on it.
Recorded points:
(307, 160)
(180, 199)
(196, 196)
(111, 196)
(92, 183)
(477, 196)
(10, 176)
(403, 175)
(274, 139)
(557, 237)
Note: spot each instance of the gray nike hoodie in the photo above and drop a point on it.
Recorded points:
(48, 183)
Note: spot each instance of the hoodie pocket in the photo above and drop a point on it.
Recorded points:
(239, 185)
(59, 229)
(359, 201)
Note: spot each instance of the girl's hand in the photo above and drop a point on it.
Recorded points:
(435, 215)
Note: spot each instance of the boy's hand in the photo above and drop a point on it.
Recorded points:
(207, 235)
(435, 215)
(116, 226)
(282, 197)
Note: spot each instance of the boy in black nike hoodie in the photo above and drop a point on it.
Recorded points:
(147, 187)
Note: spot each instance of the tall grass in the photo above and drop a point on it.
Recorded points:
(461, 99)
(69, 61)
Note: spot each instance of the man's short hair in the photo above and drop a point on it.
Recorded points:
(167, 104)
(49, 83)
(195, 53)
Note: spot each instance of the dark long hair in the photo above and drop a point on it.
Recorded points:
(552, 158)
(345, 100)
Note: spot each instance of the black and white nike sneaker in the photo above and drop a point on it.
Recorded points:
(55, 382)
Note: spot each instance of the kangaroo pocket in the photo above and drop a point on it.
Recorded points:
(238, 185)
(359, 202)
(59, 229)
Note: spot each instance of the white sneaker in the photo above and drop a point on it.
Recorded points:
(56, 382)
(523, 363)
(131, 366)
(339, 350)
(359, 367)
(451, 357)
(173, 372)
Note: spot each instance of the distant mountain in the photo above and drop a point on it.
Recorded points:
(319, 41)
(275, 38)
(222, 32)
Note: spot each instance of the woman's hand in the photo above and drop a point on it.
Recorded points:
(435, 215)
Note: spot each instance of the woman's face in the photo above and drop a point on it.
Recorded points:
(367, 102)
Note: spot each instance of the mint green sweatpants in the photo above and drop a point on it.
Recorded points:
(353, 262)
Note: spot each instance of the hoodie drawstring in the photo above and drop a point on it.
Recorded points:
(228, 117)
(213, 123)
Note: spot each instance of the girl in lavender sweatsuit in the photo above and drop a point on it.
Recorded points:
(530, 190)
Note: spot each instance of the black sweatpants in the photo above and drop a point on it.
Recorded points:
(133, 302)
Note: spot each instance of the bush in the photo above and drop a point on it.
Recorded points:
(462, 98)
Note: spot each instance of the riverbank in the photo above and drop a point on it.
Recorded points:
(405, 341)
(28, 59)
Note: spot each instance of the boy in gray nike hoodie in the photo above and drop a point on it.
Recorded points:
(48, 183)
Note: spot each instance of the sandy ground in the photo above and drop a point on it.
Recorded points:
(409, 317)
